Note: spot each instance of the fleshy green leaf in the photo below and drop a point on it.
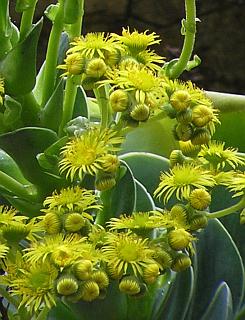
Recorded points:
(19, 62)
(221, 304)
(51, 114)
(144, 201)
(217, 260)
(12, 113)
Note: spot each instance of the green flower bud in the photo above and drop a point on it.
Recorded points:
(201, 115)
(95, 68)
(200, 199)
(179, 239)
(129, 285)
(198, 221)
(176, 157)
(83, 269)
(180, 100)
(181, 262)
(66, 285)
(104, 181)
(185, 116)
(101, 278)
(90, 290)
(110, 163)
(74, 222)
(119, 100)
(151, 272)
(52, 223)
(200, 136)
(140, 112)
(183, 132)
(170, 111)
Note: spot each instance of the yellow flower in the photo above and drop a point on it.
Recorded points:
(237, 184)
(219, 157)
(3, 250)
(141, 81)
(94, 45)
(34, 284)
(74, 64)
(72, 199)
(138, 220)
(181, 180)
(136, 42)
(85, 154)
(150, 59)
(176, 218)
(125, 251)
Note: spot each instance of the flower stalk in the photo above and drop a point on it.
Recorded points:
(189, 26)
(26, 20)
(222, 213)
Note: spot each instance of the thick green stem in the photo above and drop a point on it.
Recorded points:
(71, 86)
(50, 70)
(221, 213)
(4, 10)
(102, 100)
(26, 20)
(68, 105)
(227, 102)
(190, 32)
(24, 191)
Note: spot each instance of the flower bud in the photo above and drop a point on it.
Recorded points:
(129, 285)
(185, 116)
(200, 199)
(181, 262)
(95, 68)
(176, 157)
(170, 111)
(163, 258)
(198, 221)
(179, 239)
(151, 272)
(119, 100)
(201, 115)
(200, 136)
(180, 100)
(183, 132)
(101, 278)
(90, 290)
(74, 63)
(14, 233)
(83, 269)
(52, 223)
(67, 285)
(189, 149)
(74, 222)
(104, 181)
(110, 163)
(140, 112)
(128, 63)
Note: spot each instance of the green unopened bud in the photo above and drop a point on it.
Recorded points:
(90, 290)
(198, 221)
(185, 116)
(140, 112)
(170, 111)
(83, 269)
(119, 100)
(101, 278)
(201, 115)
(95, 68)
(200, 199)
(179, 239)
(110, 163)
(163, 257)
(180, 100)
(151, 272)
(181, 262)
(52, 223)
(104, 181)
(75, 63)
(67, 285)
(200, 136)
(15, 233)
(74, 222)
(129, 285)
(128, 63)
(176, 157)
(183, 132)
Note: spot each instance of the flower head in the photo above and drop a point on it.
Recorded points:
(74, 64)
(94, 45)
(34, 284)
(126, 252)
(181, 180)
(219, 157)
(135, 41)
(86, 153)
(237, 184)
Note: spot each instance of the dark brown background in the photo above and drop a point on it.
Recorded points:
(220, 38)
